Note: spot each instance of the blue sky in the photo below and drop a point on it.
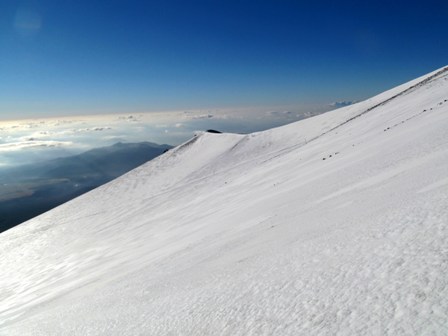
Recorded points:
(87, 57)
(160, 70)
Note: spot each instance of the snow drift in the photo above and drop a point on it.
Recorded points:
(336, 224)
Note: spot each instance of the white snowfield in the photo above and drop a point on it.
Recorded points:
(334, 225)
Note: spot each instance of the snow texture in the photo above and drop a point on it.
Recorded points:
(334, 225)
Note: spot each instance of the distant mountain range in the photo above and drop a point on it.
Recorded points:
(30, 190)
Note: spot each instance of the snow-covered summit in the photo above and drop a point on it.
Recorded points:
(336, 224)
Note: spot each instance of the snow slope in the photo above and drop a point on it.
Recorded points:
(334, 225)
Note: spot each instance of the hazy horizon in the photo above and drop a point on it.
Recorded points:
(30, 140)
(68, 58)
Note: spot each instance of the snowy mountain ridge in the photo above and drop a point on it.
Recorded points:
(335, 224)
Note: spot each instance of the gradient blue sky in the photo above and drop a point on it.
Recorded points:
(80, 57)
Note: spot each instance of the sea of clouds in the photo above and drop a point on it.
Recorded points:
(32, 140)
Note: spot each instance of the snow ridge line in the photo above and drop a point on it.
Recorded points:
(404, 92)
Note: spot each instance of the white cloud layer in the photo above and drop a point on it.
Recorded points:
(10, 147)
(22, 139)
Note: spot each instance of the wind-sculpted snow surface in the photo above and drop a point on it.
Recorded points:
(334, 225)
